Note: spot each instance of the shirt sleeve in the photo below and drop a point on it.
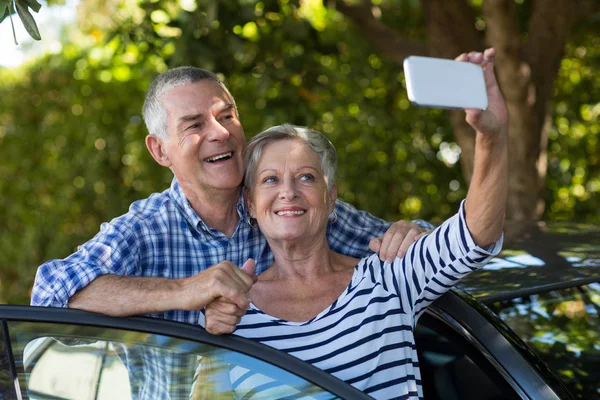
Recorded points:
(351, 233)
(437, 261)
(112, 251)
(353, 229)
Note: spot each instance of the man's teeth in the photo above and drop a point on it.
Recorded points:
(282, 213)
(220, 156)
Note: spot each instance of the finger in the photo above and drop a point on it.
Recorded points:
(239, 277)
(401, 241)
(226, 271)
(375, 244)
(394, 246)
(249, 267)
(408, 241)
(229, 289)
(386, 252)
(237, 297)
(462, 57)
(225, 307)
(216, 327)
(230, 319)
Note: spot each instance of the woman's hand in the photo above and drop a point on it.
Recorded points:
(493, 120)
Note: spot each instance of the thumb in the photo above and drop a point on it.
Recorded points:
(249, 267)
(375, 245)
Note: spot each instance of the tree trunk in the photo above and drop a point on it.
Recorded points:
(526, 71)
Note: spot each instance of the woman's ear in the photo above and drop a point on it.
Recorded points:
(155, 146)
(332, 198)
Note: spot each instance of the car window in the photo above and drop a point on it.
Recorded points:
(453, 369)
(563, 328)
(64, 361)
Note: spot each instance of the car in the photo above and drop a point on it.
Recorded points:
(525, 326)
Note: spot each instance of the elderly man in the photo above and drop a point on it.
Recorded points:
(177, 251)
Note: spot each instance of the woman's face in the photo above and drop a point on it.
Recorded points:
(290, 198)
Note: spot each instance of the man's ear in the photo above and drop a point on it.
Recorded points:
(155, 147)
(248, 199)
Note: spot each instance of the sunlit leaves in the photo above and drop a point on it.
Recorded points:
(21, 7)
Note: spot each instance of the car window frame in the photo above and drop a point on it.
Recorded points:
(194, 333)
(512, 357)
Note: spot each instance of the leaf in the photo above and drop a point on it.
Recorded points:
(33, 4)
(28, 21)
(4, 9)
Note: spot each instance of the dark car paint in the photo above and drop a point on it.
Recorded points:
(556, 244)
(519, 364)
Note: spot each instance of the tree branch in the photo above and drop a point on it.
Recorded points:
(450, 27)
(387, 41)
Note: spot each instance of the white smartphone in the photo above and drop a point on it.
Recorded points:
(442, 83)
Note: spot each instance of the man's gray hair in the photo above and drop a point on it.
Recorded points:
(153, 110)
(317, 141)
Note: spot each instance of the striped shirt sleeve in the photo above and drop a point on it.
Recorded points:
(437, 262)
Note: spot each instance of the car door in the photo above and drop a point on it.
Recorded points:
(466, 352)
(55, 354)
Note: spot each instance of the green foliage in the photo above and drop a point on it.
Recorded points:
(21, 7)
(72, 138)
(573, 159)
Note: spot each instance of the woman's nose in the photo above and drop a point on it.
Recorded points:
(288, 189)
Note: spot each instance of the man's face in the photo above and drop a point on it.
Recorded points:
(205, 138)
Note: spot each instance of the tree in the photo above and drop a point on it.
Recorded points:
(530, 42)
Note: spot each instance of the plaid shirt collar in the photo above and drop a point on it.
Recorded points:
(176, 193)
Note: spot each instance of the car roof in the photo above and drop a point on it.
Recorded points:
(538, 257)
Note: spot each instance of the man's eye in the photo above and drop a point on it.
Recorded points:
(227, 117)
(307, 177)
(196, 125)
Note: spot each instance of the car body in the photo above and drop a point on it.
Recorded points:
(523, 327)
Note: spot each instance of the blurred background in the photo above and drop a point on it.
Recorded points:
(72, 151)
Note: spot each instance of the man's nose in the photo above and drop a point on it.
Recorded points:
(217, 132)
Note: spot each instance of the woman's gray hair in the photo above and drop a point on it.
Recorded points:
(317, 141)
(153, 111)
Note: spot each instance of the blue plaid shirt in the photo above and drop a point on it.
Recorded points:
(162, 236)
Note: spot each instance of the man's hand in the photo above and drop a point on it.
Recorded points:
(396, 241)
(224, 312)
(222, 280)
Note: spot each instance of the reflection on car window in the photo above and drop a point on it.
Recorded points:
(60, 361)
(563, 327)
(452, 369)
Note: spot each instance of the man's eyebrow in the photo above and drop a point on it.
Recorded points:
(191, 117)
(228, 107)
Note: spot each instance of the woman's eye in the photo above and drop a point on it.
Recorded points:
(307, 177)
(270, 179)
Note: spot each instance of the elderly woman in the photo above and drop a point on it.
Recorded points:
(355, 318)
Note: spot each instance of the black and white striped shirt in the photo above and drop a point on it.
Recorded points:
(366, 336)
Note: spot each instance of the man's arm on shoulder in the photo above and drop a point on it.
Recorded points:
(353, 231)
